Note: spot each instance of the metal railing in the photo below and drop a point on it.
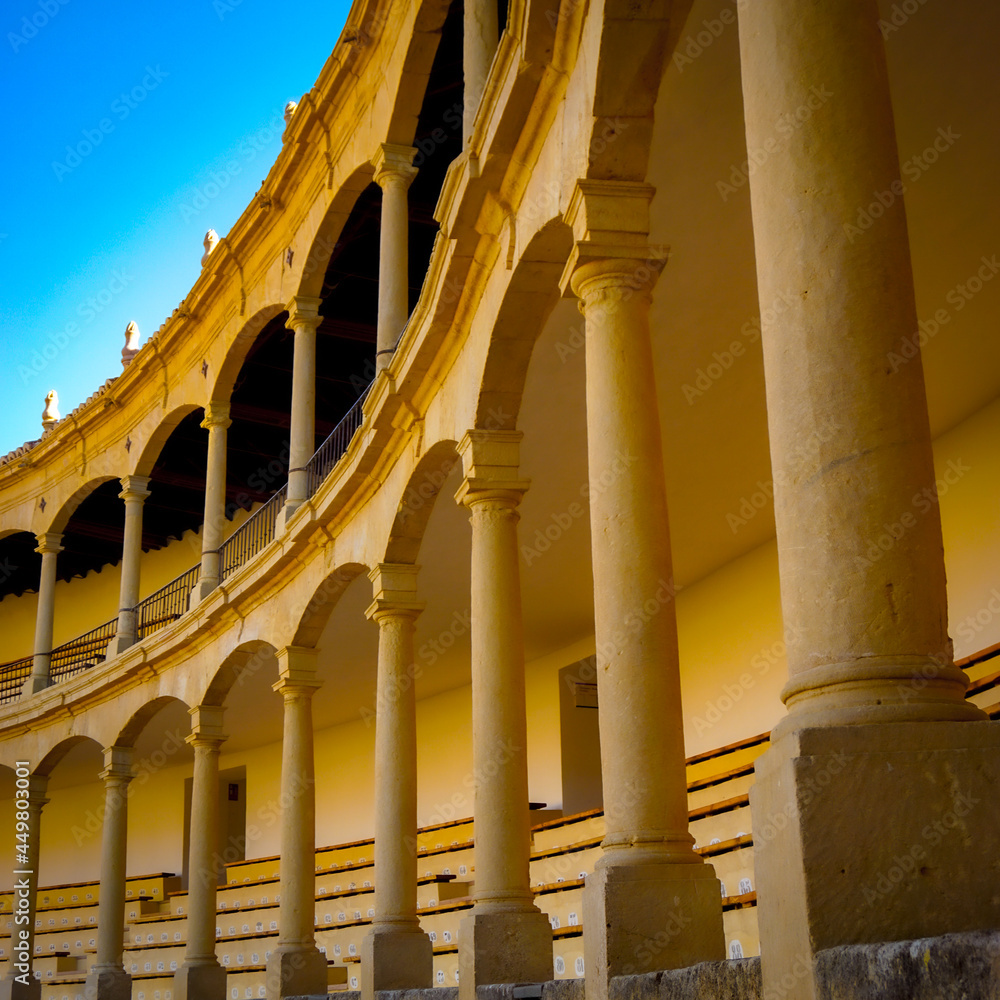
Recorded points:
(167, 604)
(12, 679)
(252, 535)
(84, 651)
(333, 448)
(172, 601)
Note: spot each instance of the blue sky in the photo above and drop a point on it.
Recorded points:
(125, 121)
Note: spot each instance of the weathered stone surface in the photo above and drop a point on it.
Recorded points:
(737, 979)
(951, 967)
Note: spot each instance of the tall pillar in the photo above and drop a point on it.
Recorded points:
(481, 37)
(648, 878)
(134, 494)
(303, 318)
(107, 979)
(394, 172)
(395, 954)
(49, 548)
(876, 713)
(296, 967)
(200, 976)
(505, 939)
(216, 422)
(26, 888)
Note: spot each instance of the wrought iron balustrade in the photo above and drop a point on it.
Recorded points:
(13, 676)
(333, 448)
(252, 535)
(167, 604)
(84, 651)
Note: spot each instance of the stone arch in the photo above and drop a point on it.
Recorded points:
(236, 352)
(633, 53)
(324, 240)
(152, 448)
(324, 599)
(52, 758)
(243, 662)
(132, 729)
(61, 518)
(530, 298)
(419, 496)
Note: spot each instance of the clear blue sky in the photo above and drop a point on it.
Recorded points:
(118, 115)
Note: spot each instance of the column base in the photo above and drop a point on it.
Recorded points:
(643, 917)
(872, 833)
(11, 989)
(503, 947)
(119, 644)
(200, 981)
(395, 959)
(108, 983)
(294, 971)
(34, 684)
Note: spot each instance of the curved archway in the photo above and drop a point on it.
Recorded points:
(531, 296)
(243, 663)
(633, 54)
(69, 507)
(147, 459)
(417, 503)
(236, 353)
(324, 599)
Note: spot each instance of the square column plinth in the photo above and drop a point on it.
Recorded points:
(873, 833)
(641, 917)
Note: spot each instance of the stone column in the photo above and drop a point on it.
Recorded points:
(49, 548)
(395, 954)
(303, 318)
(876, 705)
(482, 35)
(394, 172)
(651, 902)
(201, 977)
(107, 979)
(26, 888)
(134, 494)
(505, 939)
(296, 967)
(216, 422)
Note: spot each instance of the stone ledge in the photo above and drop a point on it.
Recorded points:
(951, 967)
(734, 979)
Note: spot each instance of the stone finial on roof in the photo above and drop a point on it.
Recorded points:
(210, 243)
(50, 415)
(131, 348)
(289, 111)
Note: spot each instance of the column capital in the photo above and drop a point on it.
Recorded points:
(118, 764)
(296, 669)
(610, 223)
(394, 588)
(206, 725)
(134, 488)
(490, 461)
(37, 786)
(303, 311)
(394, 163)
(216, 415)
(48, 543)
